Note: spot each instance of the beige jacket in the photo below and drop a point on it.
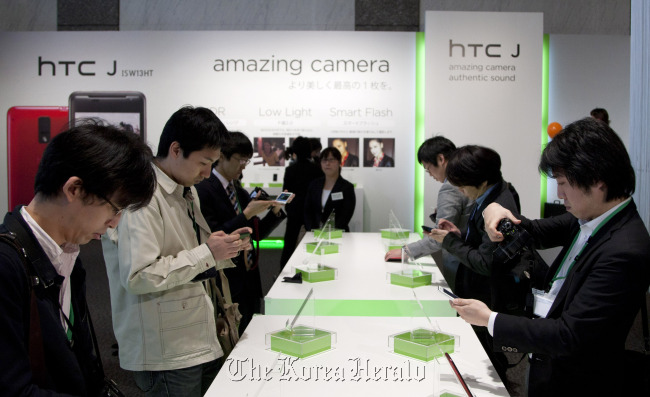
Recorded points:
(162, 320)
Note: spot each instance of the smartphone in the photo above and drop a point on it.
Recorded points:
(29, 130)
(447, 293)
(123, 109)
(243, 235)
(283, 197)
(427, 229)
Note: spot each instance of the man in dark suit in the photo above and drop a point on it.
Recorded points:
(228, 207)
(589, 297)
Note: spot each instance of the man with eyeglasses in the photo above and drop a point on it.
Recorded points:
(86, 176)
(163, 318)
(227, 207)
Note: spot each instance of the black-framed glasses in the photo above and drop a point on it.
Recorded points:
(116, 210)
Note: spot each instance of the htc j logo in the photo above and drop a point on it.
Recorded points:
(82, 68)
(491, 50)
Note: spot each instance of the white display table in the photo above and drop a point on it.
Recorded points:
(360, 363)
(361, 287)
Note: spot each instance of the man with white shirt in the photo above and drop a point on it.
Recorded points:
(588, 299)
(87, 176)
(227, 206)
(162, 317)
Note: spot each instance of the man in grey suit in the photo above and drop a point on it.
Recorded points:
(453, 206)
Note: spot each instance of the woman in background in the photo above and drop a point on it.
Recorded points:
(297, 178)
(330, 193)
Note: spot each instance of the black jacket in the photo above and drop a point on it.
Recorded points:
(70, 370)
(342, 201)
(220, 215)
(481, 276)
(579, 345)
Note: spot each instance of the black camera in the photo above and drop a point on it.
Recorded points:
(259, 194)
(515, 239)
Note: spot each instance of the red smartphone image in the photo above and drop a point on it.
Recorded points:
(29, 130)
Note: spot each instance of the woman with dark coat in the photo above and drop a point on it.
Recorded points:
(330, 193)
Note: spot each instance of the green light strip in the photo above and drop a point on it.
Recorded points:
(418, 202)
(545, 73)
(272, 244)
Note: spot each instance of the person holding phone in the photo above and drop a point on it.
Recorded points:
(48, 342)
(330, 193)
(452, 205)
(476, 172)
(588, 299)
(228, 207)
(164, 321)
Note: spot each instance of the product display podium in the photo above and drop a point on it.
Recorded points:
(361, 363)
(360, 286)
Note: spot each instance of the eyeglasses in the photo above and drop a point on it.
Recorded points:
(116, 210)
(242, 161)
(329, 160)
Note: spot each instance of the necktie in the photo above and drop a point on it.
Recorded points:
(233, 197)
(230, 189)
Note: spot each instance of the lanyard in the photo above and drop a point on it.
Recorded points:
(619, 209)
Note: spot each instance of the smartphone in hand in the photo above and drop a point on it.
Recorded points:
(450, 295)
(427, 229)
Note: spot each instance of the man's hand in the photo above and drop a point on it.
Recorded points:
(256, 207)
(246, 241)
(224, 246)
(444, 227)
(397, 252)
(492, 215)
(473, 311)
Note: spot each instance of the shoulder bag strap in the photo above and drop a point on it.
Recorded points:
(35, 342)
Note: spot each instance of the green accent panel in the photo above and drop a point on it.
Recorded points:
(333, 233)
(425, 349)
(275, 184)
(256, 185)
(362, 308)
(410, 278)
(395, 234)
(301, 345)
(418, 202)
(324, 273)
(324, 248)
(545, 83)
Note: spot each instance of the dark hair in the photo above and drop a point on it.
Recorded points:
(315, 144)
(237, 143)
(194, 129)
(432, 147)
(600, 114)
(111, 163)
(472, 165)
(588, 151)
(301, 147)
(334, 152)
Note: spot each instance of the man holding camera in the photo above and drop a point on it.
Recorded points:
(227, 207)
(588, 299)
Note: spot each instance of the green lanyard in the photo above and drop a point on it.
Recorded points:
(619, 209)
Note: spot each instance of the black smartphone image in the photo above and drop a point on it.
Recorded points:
(427, 229)
(123, 109)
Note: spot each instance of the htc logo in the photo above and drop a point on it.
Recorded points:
(491, 50)
(82, 68)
